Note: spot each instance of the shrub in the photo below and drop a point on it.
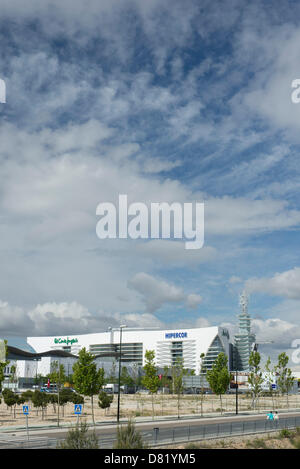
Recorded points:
(27, 395)
(77, 398)
(65, 396)
(199, 445)
(285, 433)
(257, 443)
(78, 438)
(105, 400)
(129, 438)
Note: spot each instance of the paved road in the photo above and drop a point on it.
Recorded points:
(158, 432)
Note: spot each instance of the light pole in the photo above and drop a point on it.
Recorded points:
(120, 359)
(236, 392)
(58, 386)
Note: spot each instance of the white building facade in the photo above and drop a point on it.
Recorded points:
(168, 345)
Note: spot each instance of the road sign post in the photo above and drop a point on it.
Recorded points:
(26, 412)
(78, 411)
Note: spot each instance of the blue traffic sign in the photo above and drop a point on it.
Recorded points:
(25, 409)
(78, 409)
(274, 386)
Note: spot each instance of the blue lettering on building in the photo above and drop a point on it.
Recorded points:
(175, 335)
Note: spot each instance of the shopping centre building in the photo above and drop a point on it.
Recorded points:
(168, 345)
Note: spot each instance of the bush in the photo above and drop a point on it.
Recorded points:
(257, 443)
(78, 438)
(65, 396)
(7, 393)
(129, 438)
(77, 398)
(284, 433)
(195, 445)
(105, 400)
(27, 395)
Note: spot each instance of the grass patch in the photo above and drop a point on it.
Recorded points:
(257, 443)
(197, 446)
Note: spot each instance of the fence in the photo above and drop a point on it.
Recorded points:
(180, 434)
(166, 436)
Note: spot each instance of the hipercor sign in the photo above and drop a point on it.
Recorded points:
(175, 335)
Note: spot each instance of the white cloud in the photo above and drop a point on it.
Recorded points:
(235, 279)
(285, 284)
(193, 300)
(13, 321)
(174, 253)
(238, 215)
(157, 292)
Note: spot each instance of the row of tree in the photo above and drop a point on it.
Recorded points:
(278, 374)
(219, 377)
(89, 381)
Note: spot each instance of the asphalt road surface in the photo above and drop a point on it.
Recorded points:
(157, 432)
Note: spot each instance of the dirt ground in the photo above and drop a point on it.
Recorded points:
(140, 405)
(261, 441)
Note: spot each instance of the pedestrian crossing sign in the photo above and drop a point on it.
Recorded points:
(77, 409)
(25, 410)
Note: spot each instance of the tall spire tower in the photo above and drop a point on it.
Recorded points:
(244, 339)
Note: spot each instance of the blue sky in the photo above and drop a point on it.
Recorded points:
(166, 101)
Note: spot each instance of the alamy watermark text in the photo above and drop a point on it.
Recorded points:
(176, 220)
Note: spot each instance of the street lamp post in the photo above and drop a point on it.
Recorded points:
(236, 393)
(120, 359)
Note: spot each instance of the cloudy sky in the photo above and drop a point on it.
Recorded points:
(165, 101)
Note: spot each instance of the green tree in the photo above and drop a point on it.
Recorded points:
(13, 374)
(57, 375)
(135, 376)
(112, 376)
(77, 398)
(150, 380)
(219, 377)
(202, 376)
(3, 344)
(39, 379)
(126, 379)
(27, 395)
(270, 374)
(12, 399)
(53, 399)
(79, 438)
(255, 378)
(178, 372)
(105, 400)
(285, 378)
(163, 384)
(65, 396)
(165, 381)
(40, 400)
(87, 380)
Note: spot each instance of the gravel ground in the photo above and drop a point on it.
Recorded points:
(138, 406)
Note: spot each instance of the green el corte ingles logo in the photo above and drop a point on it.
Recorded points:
(66, 341)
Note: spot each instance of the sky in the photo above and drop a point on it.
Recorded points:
(165, 101)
